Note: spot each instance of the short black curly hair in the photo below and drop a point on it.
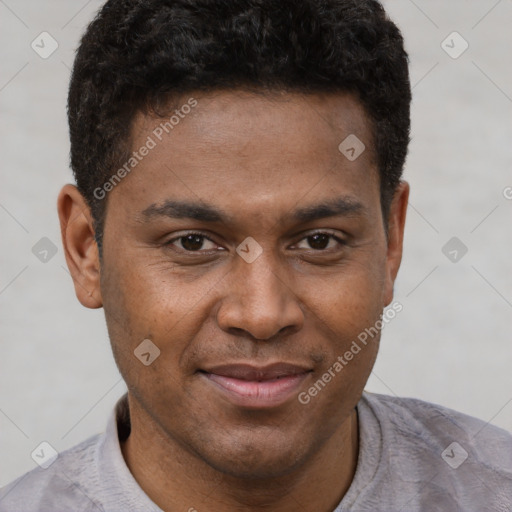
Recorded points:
(137, 55)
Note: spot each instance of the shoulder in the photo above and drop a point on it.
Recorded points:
(65, 485)
(433, 423)
(441, 455)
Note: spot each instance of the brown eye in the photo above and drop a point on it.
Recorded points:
(321, 241)
(192, 242)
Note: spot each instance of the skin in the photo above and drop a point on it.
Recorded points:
(258, 158)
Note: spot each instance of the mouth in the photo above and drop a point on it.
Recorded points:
(257, 387)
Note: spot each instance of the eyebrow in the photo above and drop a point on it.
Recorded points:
(185, 210)
(341, 206)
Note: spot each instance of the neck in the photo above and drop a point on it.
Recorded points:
(176, 479)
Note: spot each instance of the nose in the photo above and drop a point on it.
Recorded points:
(259, 300)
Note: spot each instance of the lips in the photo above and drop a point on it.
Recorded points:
(256, 387)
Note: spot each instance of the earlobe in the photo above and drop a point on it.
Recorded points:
(396, 226)
(80, 248)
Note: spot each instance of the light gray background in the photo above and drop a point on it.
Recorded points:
(451, 344)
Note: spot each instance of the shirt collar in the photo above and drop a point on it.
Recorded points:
(119, 488)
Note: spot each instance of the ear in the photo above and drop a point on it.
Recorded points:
(80, 248)
(396, 225)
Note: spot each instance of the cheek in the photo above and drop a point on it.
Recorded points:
(351, 300)
(154, 295)
(347, 310)
(348, 315)
(151, 301)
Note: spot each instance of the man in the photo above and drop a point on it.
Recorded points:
(239, 215)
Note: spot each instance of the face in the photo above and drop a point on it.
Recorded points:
(252, 252)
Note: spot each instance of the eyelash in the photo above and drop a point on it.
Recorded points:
(202, 235)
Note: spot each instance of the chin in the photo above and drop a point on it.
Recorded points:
(255, 459)
(256, 468)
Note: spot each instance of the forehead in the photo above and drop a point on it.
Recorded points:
(237, 147)
(225, 118)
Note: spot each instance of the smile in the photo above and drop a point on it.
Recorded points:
(257, 388)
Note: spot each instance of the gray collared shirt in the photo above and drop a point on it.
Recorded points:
(413, 456)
